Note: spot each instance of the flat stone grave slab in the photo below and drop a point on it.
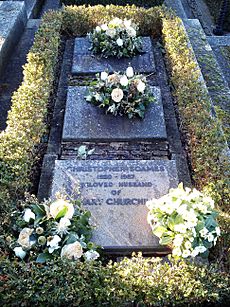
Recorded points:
(84, 121)
(116, 192)
(85, 62)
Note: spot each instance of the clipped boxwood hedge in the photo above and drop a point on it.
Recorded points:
(26, 119)
(143, 281)
(143, 3)
(139, 281)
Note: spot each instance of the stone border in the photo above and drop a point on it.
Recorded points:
(32, 7)
(11, 28)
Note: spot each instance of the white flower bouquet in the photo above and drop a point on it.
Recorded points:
(121, 94)
(185, 220)
(117, 38)
(54, 229)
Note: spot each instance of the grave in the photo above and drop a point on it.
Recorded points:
(115, 192)
(84, 121)
(84, 62)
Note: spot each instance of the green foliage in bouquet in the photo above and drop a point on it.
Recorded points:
(121, 94)
(184, 220)
(51, 229)
(117, 38)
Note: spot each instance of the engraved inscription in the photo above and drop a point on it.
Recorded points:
(115, 192)
(114, 183)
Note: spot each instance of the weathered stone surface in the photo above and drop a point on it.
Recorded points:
(84, 121)
(116, 192)
(216, 41)
(177, 6)
(84, 62)
(12, 23)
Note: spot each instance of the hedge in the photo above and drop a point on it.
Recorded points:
(143, 281)
(143, 3)
(26, 119)
(82, 283)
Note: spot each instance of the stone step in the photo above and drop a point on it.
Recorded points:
(119, 151)
(115, 192)
(86, 122)
(219, 41)
(177, 6)
(12, 22)
(32, 7)
(215, 80)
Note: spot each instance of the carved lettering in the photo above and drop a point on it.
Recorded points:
(126, 201)
(134, 184)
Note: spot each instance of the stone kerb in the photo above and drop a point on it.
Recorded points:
(85, 63)
(84, 121)
(12, 22)
(116, 192)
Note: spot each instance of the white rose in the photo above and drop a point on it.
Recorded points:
(124, 81)
(59, 205)
(115, 22)
(104, 75)
(119, 42)
(111, 32)
(131, 32)
(104, 27)
(28, 215)
(117, 95)
(98, 29)
(52, 242)
(129, 72)
(62, 226)
(72, 251)
(24, 238)
(91, 255)
(19, 252)
(127, 23)
(141, 86)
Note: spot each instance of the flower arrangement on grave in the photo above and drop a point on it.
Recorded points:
(53, 229)
(185, 220)
(117, 38)
(121, 94)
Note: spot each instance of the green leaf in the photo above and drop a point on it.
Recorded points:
(166, 240)
(72, 237)
(200, 225)
(38, 210)
(61, 213)
(210, 222)
(42, 258)
(158, 231)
